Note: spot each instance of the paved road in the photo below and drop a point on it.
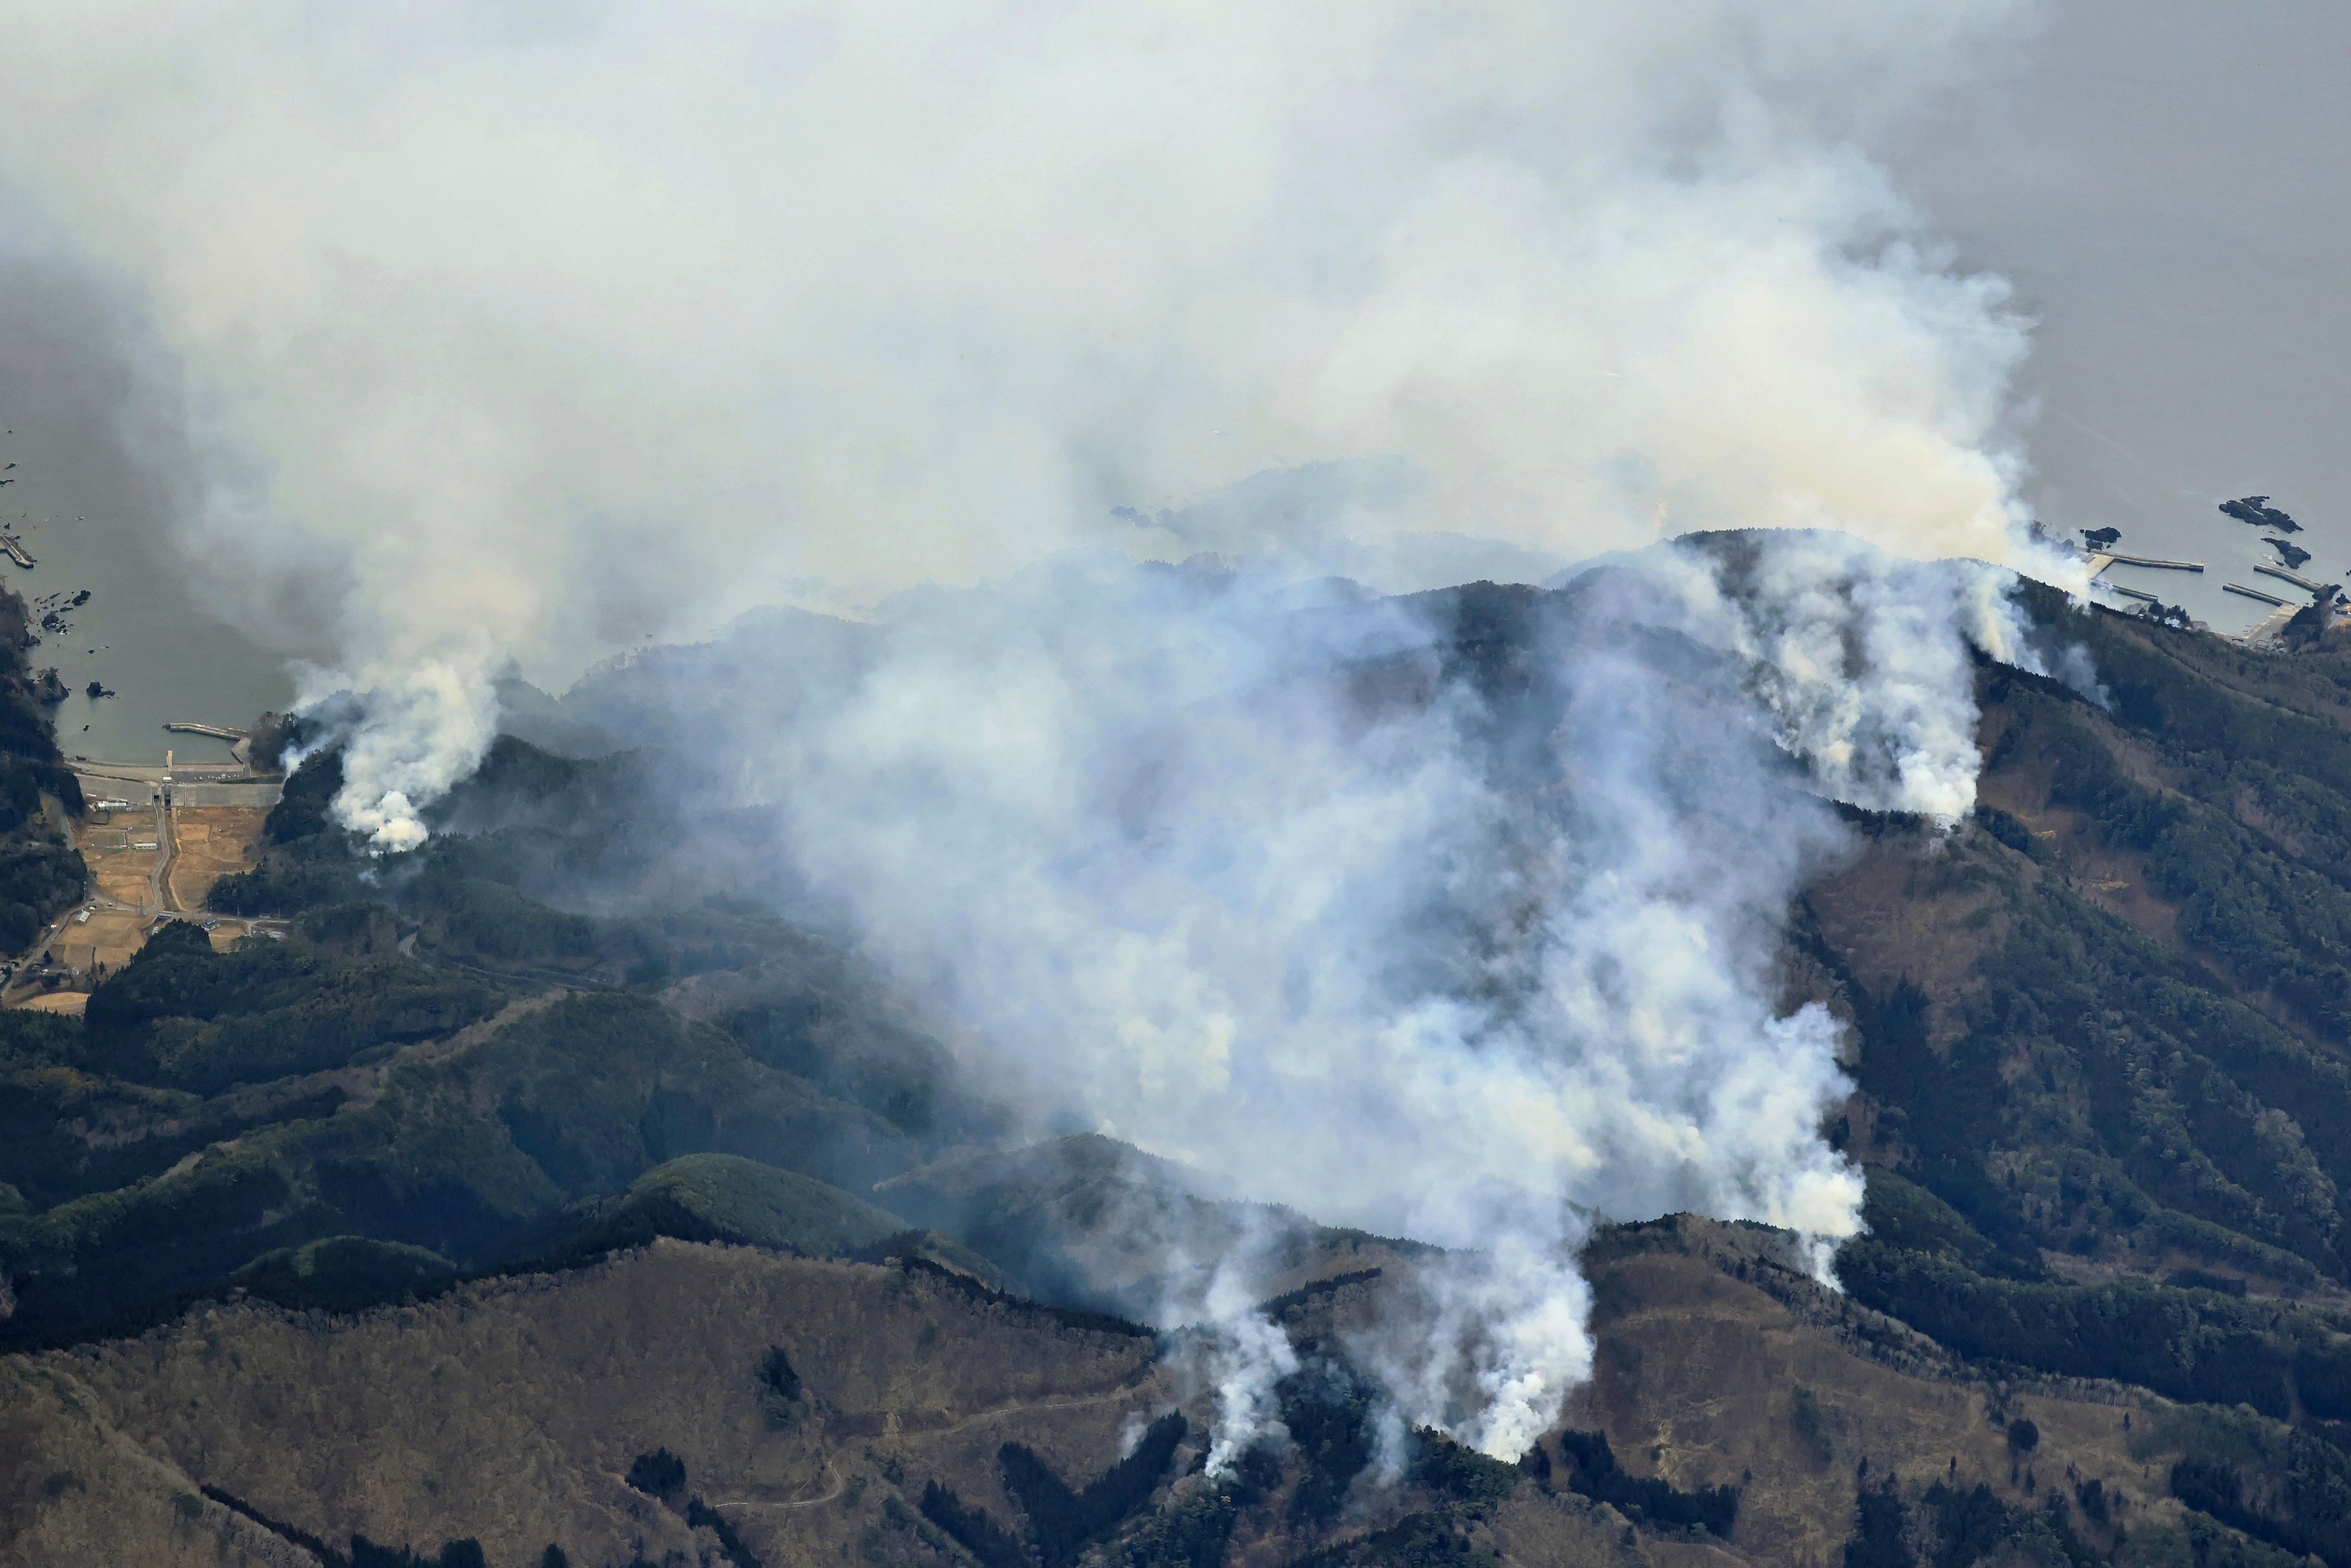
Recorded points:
(102, 781)
(262, 793)
(167, 850)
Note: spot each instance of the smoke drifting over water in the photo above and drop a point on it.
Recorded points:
(529, 341)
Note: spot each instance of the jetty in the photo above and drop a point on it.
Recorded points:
(2255, 594)
(2154, 561)
(15, 549)
(2300, 582)
(240, 744)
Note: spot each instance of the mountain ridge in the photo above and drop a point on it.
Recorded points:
(2100, 1035)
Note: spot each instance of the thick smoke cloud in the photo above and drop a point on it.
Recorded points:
(527, 334)
(1456, 917)
(532, 337)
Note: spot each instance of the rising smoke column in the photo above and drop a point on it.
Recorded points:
(527, 338)
(516, 333)
(1451, 917)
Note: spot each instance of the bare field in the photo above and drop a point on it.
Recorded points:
(107, 940)
(65, 1004)
(214, 841)
(121, 849)
(119, 867)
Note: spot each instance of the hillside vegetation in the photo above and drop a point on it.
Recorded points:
(513, 1167)
(823, 1412)
(2106, 1091)
(40, 873)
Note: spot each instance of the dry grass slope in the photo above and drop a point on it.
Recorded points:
(511, 1410)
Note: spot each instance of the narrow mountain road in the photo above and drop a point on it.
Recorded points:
(839, 1486)
(996, 1412)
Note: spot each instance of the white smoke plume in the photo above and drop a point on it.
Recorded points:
(1299, 891)
(528, 336)
(406, 742)
(531, 333)
(1246, 1357)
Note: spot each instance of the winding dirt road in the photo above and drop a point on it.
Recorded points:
(995, 1412)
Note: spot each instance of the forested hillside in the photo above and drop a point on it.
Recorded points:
(2101, 1035)
(39, 872)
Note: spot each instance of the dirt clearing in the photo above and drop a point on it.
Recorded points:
(214, 842)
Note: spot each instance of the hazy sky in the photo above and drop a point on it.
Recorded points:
(2165, 182)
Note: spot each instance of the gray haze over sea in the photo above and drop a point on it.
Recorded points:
(92, 493)
(2162, 182)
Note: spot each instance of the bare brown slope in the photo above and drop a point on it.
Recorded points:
(1698, 1381)
(509, 1412)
